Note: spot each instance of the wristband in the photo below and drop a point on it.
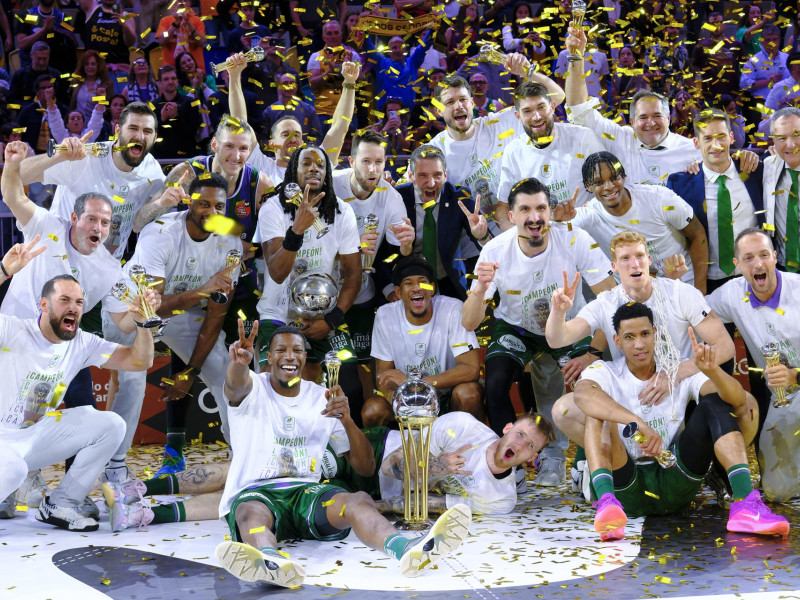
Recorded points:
(348, 86)
(194, 371)
(142, 325)
(335, 318)
(3, 268)
(488, 236)
(292, 241)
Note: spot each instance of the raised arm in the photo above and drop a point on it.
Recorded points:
(238, 382)
(475, 305)
(281, 252)
(236, 101)
(136, 357)
(575, 84)
(173, 192)
(32, 169)
(343, 114)
(558, 331)
(11, 184)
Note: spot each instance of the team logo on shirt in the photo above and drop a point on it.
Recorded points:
(191, 264)
(546, 171)
(54, 361)
(473, 160)
(242, 208)
(538, 277)
(420, 349)
(654, 170)
(124, 189)
(288, 423)
(771, 329)
(468, 480)
(75, 272)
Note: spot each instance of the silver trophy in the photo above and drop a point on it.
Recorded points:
(665, 458)
(490, 54)
(142, 282)
(371, 223)
(416, 406)
(311, 297)
(578, 12)
(257, 54)
(98, 149)
(232, 260)
(294, 195)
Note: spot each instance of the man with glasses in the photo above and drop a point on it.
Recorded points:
(483, 104)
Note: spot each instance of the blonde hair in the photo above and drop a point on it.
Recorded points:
(627, 238)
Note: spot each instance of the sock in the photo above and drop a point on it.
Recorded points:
(270, 551)
(396, 545)
(739, 476)
(176, 439)
(580, 454)
(603, 482)
(169, 513)
(165, 485)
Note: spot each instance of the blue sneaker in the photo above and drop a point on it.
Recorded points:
(171, 463)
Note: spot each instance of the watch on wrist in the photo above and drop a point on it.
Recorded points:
(194, 371)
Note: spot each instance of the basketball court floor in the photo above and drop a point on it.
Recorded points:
(546, 548)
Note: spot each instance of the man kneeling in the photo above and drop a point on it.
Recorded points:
(280, 426)
(625, 477)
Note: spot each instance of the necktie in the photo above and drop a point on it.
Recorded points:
(792, 226)
(429, 238)
(724, 226)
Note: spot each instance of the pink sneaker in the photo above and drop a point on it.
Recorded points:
(751, 515)
(610, 519)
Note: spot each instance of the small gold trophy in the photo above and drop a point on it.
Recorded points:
(772, 355)
(665, 458)
(140, 280)
(416, 406)
(490, 54)
(332, 364)
(294, 195)
(255, 55)
(98, 149)
(370, 226)
(232, 260)
(578, 12)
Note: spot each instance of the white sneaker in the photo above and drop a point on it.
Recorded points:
(580, 480)
(8, 507)
(250, 564)
(446, 535)
(32, 490)
(65, 517)
(89, 509)
(127, 492)
(116, 475)
(130, 515)
(552, 472)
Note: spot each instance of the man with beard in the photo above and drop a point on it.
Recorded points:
(377, 205)
(665, 219)
(552, 152)
(525, 265)
(286, 134)
(423, 331)
(291, 243)
(189, 264)
(760, 304)
(74, 247)
(473, 147)
(52, 349)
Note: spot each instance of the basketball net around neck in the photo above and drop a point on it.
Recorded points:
(668, 359)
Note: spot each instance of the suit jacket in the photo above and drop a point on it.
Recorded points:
(450, 225)
(692, 188)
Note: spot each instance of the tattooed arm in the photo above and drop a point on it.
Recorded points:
(436, 504)
(439, 467)
(202, 479)
(173, 191)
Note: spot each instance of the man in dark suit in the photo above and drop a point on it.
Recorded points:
(433, 207)
(724, 202)
(178, 120)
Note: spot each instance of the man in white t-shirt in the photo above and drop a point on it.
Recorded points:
(552, 152)
(676, 305)
(664, 218)
(423, 331)
(286, 134)
(280, 425)
(41, 357)
(524, 265)
(128, 173)
(761, 304)
(189, 265)
(320, 235)
(378, 205)
(473, 148)
(652, 460)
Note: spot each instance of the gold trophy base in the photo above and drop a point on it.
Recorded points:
(403, 525)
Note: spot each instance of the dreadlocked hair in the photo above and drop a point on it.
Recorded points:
(328, 206)
(591, 166)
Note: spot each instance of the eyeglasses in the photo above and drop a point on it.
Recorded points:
(139, 62)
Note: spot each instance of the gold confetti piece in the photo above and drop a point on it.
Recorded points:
(178, 312)
(241, 314)
(426, 286)
(451, 433)
(313, 464)
(768, 227)
(459, 345)
(223, 225)
(593, 246)
(668, 208)
(608, 136)
(344, 354)
(54, 413)
(105, 581)
(427, 205)
(780, 311)
(341, 512)
(651, 494)
(118, 199)
(415, 331)
(662, 579)
(508, 133)
(52, 237)
(167, 381)
(390, 258)
(437, 104)
(513, 292)
(544, 140)
(22, 508)
(258, 529)
(634, 221)
(294, 381)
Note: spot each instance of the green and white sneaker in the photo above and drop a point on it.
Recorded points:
(446, 535)
(250, 564)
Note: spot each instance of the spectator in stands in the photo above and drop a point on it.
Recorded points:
(396, 74)
(717, 67)
(684, 110)
(483, 105)
(266, 71)
(764, 70)
(178, 120)
(76, 125)
(192, 80)
(219, 105)
(142, 86)
(627, 79)
(424, 120)
(787, 91)
(22, 86)
(324, 70)
(394, 126)
(521, 35)
(34, 117)
(92, 75)
(248, 33)
(462, 35)
(111, 116)
(667, 61)
(45, 23)
(308, 22)
(11, 131)
(792, 39)
(289, 103)
(750, 29)
(728, 104)
(183, 29)
(110, 32)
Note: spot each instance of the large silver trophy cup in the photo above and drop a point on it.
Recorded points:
(312, 296)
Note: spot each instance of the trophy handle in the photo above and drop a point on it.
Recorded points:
(51, 147)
